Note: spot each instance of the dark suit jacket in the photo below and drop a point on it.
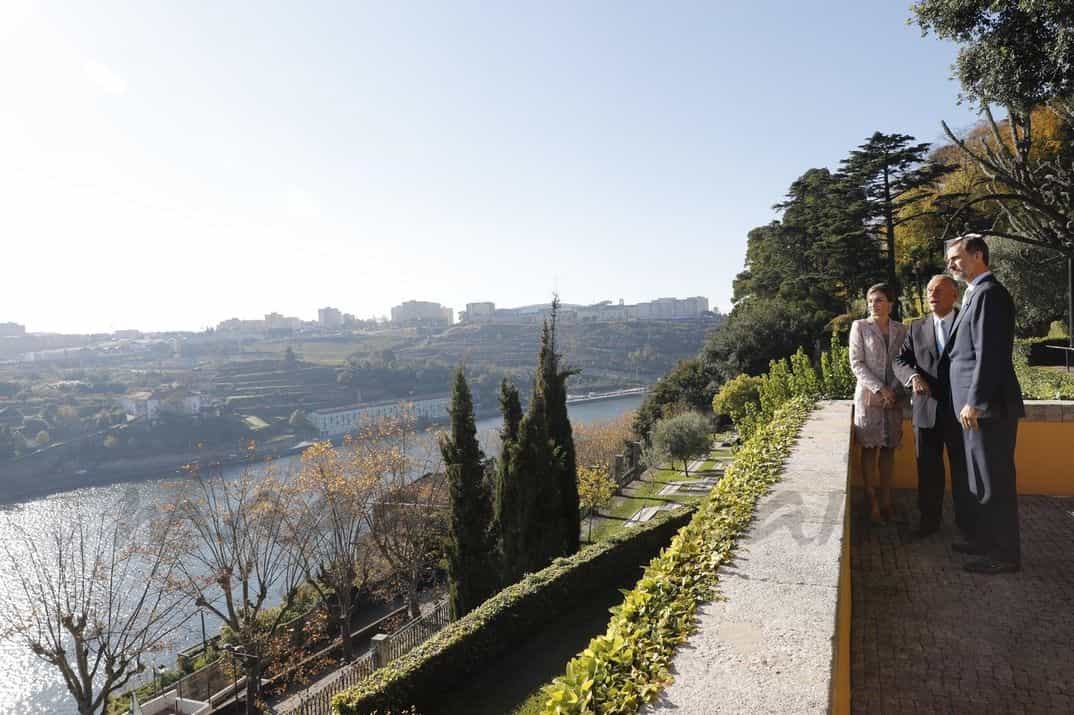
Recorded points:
(979, 348)
(919, 356)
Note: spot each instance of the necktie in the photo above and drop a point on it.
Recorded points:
(941, 334)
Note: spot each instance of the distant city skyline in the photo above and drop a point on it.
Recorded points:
(168, 164)
(328, 317)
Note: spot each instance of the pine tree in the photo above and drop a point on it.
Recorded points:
(470, 546)
(888, 168)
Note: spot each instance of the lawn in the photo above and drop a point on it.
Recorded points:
(646, 492)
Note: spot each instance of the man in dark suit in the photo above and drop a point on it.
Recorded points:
(923, 366)
(986, 394)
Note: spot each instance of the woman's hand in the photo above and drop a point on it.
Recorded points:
(887, 397)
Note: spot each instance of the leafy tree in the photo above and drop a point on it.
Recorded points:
(889, 169)
(471, 544)
(761, 330)
(42, 438)
(408, 520)
(735, 395)
(239, 532)
(1020, 55)
(690, 385)
(1036, 280)
(337, 498)
(595, 488)
(683, 437)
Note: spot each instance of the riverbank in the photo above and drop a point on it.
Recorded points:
(46, 474)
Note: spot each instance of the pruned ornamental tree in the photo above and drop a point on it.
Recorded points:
(90, 596)
(1020, 55)
(238, 553)
(473, 571)
(683, 438)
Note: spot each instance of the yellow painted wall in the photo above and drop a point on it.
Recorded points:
(840, 697)
(1044, 458)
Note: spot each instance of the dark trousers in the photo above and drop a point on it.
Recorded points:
(990, 455)
(929, 445)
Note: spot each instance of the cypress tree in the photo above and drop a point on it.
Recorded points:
(538, 464)
(514, 494)
(550, 384)
(470, 546)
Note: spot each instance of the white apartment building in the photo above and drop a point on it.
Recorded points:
(341, 420)
(330, 318)
(476, 312)
(149, 405)
(422, 311)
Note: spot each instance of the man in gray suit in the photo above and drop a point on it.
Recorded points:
(988, 399)
(923, 367)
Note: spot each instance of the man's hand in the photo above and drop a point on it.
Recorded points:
(968, 417)
(919, 385)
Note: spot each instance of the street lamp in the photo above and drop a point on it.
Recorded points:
(159, 670)
(235, 650)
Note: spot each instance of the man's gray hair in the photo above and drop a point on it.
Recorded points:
(945, 277)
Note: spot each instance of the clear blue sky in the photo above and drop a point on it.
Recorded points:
(170, 165)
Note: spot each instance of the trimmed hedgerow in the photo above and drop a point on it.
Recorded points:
(628, 665)
(471, 644)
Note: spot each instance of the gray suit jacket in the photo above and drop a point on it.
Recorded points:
(919, 356)
(979, 348)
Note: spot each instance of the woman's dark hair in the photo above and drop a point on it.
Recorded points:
(882, 288)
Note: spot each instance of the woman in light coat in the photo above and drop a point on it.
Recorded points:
(874, 342)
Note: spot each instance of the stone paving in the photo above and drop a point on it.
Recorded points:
(927, 637)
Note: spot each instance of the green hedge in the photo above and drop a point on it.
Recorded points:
(628, 665)
(1037, 352)
(423, 676)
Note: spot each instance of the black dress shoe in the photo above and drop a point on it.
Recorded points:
(991, 566)
(969, 548)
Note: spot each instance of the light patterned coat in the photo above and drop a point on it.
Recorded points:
(870, 360)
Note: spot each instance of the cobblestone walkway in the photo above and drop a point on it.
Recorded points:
(927, 637)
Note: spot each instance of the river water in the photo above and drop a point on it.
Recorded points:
(30, 686)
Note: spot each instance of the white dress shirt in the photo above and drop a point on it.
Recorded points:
(972, 284)
(946, 322)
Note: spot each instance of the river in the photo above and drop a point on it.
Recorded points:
(29, 685)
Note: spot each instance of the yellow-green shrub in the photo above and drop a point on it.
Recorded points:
(628, 665)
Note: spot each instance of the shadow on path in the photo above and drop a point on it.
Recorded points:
(499, 690)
